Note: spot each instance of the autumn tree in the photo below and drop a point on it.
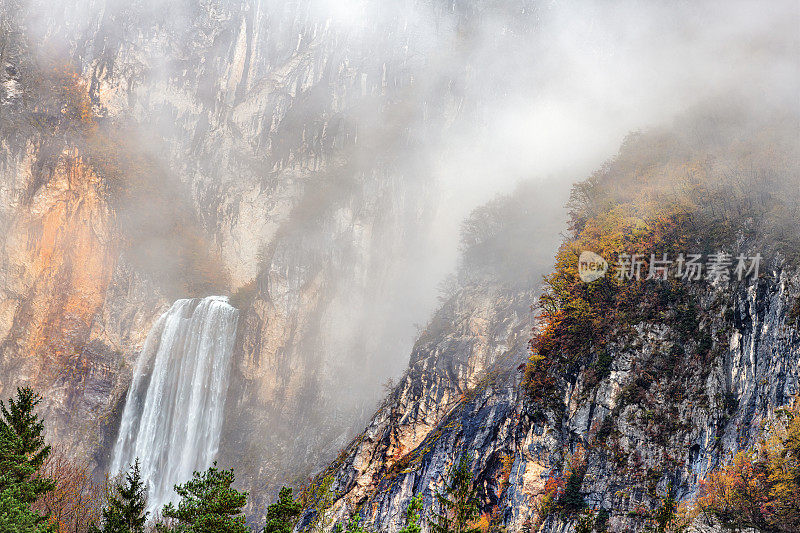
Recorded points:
(666, 193)
(760, 488)
(75, 503)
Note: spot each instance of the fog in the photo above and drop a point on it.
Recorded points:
(556, 86)
(445, 104)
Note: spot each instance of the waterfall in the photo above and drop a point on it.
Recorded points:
(174, 408)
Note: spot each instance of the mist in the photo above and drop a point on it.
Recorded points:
(328, 152)
(550, 90)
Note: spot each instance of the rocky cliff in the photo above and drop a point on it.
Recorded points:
(675, 391)
(261, 149)
(283, 153)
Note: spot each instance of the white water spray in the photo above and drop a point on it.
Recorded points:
(174, 408)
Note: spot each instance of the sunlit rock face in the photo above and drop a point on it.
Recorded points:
(291, 136)
(462, 394)
(60, 262)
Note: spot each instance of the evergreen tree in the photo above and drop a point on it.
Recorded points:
(458, 502)
(208, 505)
(601, 522)
(17, 516)
(23, 446)
(571, 501)
(125, 512)
(353, 526)
(22, 452)
(282, 514)
(665, 514)
(413, 512)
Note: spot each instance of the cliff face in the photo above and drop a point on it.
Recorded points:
(58, 260)
(456, 399)
(269, 151)
(462, 390)
(253, 148)
(667, 400)
(61, 255)
(691, 418)
(461, 394)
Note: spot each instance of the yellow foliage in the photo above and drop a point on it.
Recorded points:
(665, 193)
(761, 487)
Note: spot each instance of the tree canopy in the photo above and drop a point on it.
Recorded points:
(209, 504)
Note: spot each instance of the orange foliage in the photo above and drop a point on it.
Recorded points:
(557, 487)
(738, 492)
(76, 501)
(59, 100)
(665, 193)
(73, 95)
(761, 487)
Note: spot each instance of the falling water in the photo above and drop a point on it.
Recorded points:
(174, 408)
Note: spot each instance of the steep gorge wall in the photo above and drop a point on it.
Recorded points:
(207, 148)
(461, 393)
(58, 262)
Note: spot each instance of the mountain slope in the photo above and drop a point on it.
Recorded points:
(646, 386)
(264, 149)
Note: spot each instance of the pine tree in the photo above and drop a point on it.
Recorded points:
(22, 452)
(458, 503)
(601, 522)
(125, 512)
(23, 446)
(282, 514)
(17, 516)
(668, 518)
(208, 505)
(665, 514)
(413, 512)
(571, 501)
